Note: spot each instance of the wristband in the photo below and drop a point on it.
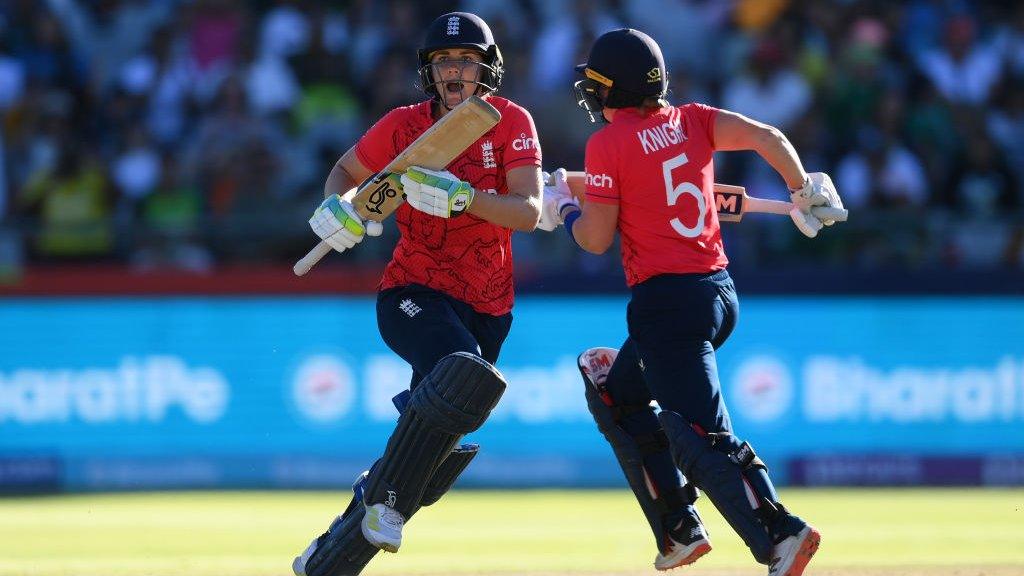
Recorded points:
(569, 219)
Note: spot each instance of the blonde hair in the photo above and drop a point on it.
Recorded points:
(653, 103)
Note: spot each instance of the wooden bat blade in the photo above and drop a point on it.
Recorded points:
(435, 148)
(577, 185)
(730, 202)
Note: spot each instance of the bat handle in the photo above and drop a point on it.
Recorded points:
(765, 206)
(311, 258)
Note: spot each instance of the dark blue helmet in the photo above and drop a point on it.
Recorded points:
(629, 64)
(461, 30)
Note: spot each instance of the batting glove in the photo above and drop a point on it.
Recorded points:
(556, 196)
(816, 203)
(335, 221)
(436, 193)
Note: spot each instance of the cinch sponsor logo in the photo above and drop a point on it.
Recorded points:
(143, 389)
(323, 388)
(659, 137)
(523, 143)
(851, 390)
(600, 181)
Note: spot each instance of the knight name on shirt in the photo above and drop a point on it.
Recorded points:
(659, 137)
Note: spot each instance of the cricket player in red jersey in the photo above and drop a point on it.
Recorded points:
(445, 299)
(649, 176)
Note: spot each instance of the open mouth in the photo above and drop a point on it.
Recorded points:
(453, 87)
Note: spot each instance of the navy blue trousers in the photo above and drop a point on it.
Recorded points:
(676, 322)
(423, 325)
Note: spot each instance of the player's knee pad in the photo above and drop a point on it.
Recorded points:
(658, 497)
(450, 469)
(453, 400)
(718, 464)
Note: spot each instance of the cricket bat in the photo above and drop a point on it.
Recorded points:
(437, 147)
(731, 202)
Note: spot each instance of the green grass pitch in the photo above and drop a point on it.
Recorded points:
(956, 532)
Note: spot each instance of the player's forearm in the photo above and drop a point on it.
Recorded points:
(339, 182)
(592, 226)
(778, 152)
(511, 210)
(588, 237)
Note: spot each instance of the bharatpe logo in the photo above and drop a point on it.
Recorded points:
(323, 389)
(146, 389)
(851, 390)
(762, 389)
(453, 26)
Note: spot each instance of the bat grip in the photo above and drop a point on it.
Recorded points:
(311, 258)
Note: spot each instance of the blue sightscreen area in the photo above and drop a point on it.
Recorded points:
(115, 393)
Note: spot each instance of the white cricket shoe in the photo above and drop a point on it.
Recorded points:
(382, 527)
(687, 542)
(299, 563)
(791, 555)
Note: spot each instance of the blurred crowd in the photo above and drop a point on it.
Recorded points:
(196, 133)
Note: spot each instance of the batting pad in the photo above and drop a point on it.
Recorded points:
(448, 472)
(453, 400)
(630, 451)
(722, 480)
(343, 551)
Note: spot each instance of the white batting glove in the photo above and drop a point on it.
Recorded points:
(816, 204)
(436, 193)
(556, 196)
(335, 221)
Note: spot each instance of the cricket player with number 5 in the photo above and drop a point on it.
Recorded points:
(445, 299)
(650, 176)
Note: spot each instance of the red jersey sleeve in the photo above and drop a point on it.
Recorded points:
(602, 177)
(377, 147)
(525, 146)
(704, 116)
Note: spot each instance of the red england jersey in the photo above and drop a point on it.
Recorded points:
(658, 169)
(467, 258)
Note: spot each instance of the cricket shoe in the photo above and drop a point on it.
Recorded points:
(791, 555)
(688, 541)
(300, 561)
(382, 527)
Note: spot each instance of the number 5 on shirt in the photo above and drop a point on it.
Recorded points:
(437, 147)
